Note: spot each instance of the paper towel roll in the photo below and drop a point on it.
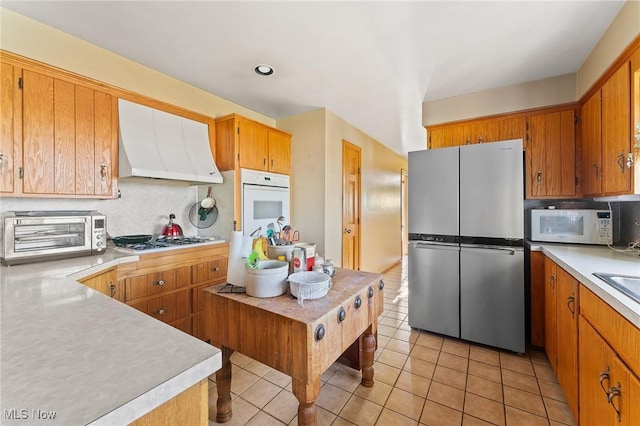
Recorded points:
(239, 249)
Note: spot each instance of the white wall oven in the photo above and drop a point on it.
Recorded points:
(576, 226)
(31, 236)
(265, 198)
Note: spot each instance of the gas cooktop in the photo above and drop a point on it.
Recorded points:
(164, 244)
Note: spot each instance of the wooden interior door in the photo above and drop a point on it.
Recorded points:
(404, 184)
(351, 157)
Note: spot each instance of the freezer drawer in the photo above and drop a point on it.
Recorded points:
(434, 288)
(492, 297)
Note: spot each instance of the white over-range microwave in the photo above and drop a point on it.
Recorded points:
(576, 226)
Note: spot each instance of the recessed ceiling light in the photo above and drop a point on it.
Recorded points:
(263, 69)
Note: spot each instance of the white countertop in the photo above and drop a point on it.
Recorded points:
(88, 358)
(582, 261)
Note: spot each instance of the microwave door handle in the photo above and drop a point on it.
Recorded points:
(44, 236)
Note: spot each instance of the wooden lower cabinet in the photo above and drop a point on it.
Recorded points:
(567, 337)
(561, 329)
(169, 285)
(190, 407)
(105, 282)
(537, 259)
(609, 391)
(550, 313)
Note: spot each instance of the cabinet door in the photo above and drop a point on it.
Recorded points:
(595, 377)
(38, 134)
(616, 102)
(567, 337)
(10, 128)
(253, 145)
(106, 283)
(70, 138)
(550, 312)
(591, 155)
(435, 138)
(551, 153)
(511, 128)
(538, 283)
(279, 152)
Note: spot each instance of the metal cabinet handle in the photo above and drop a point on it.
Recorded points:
(480, 139)
(358, 302)
(552, 282)
(621, 160)
(596, 167)
(1, 162)
(112, 288)
(347, 230)
(613, 393)
(160, 311)
(319, 333)
(468, 142)
(381, 285)
(604, 375)
(272, 163)
(159, 282)
(264, 161)
(103, 171)
(342, 314)
(539, 177)
(370, 292)
(216, 269)
(570, 303)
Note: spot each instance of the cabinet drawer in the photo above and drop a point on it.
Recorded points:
(356, 319)
(156, 283)
(209, 271)
(167, 308)
(619, 333)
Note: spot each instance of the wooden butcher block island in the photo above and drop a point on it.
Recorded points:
(301, 341)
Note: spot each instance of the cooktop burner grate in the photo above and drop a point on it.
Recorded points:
(163, 243)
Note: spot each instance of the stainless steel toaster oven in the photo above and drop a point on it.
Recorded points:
(32, 236)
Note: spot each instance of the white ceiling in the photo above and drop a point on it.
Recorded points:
(372, 63)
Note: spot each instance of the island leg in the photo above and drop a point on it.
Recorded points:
(368, 351)
(223, 385)
(306, 394)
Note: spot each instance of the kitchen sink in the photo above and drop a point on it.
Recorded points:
(627, 284)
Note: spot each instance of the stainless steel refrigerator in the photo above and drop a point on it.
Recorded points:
(466, 234)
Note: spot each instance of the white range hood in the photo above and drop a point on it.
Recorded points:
(157, 144)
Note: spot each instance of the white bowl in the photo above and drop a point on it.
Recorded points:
(268, 280)
(309, 285)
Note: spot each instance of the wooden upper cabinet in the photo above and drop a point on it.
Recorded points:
(476, 131)
(253, 144)
(591, 155)
(59, 134)
(244, 143)
(70, 138)
(551, 155)
(10, 125)
(279, 152)
(616, 138)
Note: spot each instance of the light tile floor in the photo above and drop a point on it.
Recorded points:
(420, 378)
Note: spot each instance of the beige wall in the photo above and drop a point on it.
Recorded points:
(34, 40)
(317, 157)
(552, 91)
(532, 94)
(622, 31)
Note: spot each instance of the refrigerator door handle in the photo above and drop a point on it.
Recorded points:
(440, 246)
(510, 251)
